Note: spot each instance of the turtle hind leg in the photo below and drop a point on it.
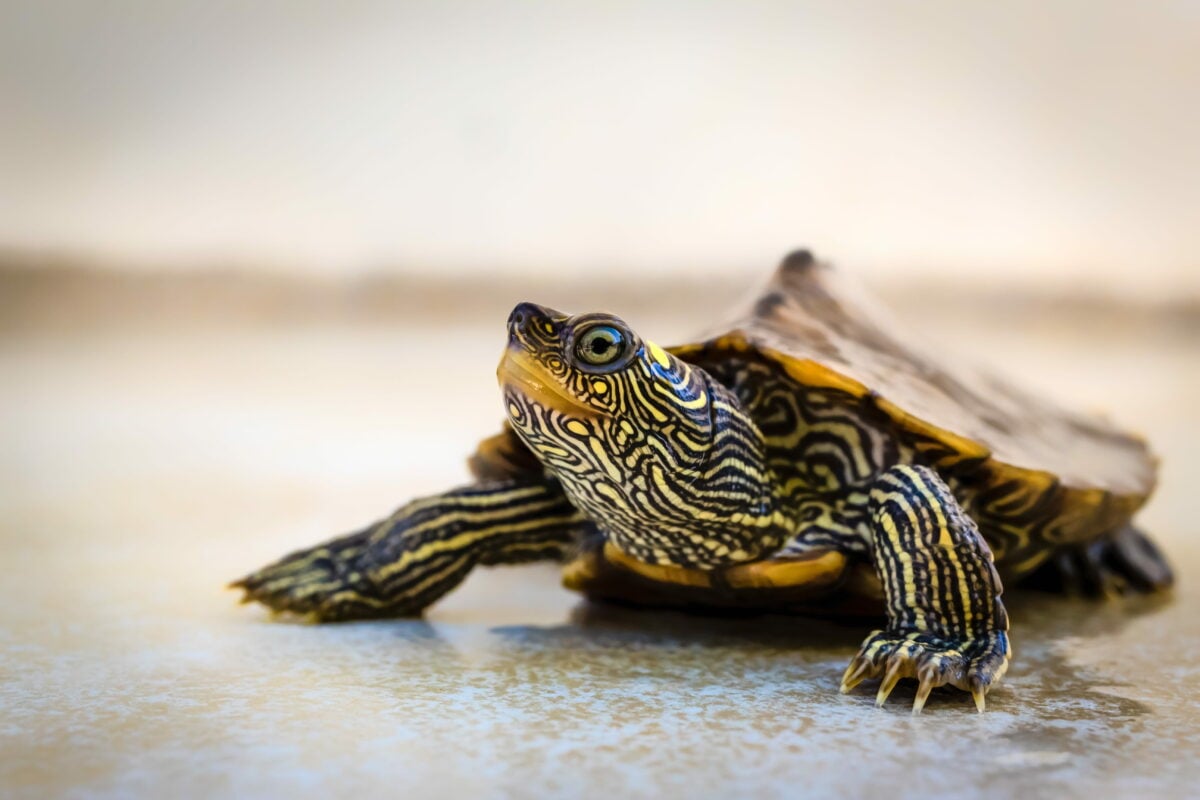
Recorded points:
(1124, 562)
(403, 564)
(946, 623)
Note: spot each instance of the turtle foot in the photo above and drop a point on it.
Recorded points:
(322, 583)
(1125, 563)
(973, 665)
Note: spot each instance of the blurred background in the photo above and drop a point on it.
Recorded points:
(255, 259)
(1025, 143)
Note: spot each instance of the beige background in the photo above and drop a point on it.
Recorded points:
(1045, 144)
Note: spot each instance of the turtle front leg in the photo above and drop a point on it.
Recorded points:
(401, 565)
(946, 623)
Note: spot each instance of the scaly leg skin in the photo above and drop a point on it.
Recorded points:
(401, 565)
(1124, 562)
(946, 624)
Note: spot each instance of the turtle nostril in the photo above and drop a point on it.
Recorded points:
(532, 322)
(523, 317)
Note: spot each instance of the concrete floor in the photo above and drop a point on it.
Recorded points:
(146, 464)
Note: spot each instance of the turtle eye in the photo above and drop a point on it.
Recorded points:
(600, 346)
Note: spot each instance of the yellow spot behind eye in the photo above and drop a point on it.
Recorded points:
(547, 327)
(599, 387)
(659, 355)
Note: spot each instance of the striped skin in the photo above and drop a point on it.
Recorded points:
(946, 623)
(657, 453)
(400, 565)
(827, 443)
(823, 447)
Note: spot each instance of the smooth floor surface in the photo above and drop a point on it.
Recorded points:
(146, 465)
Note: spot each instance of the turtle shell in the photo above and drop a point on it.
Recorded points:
(1022, 461)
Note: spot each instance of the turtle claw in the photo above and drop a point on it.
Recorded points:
(854, 674)
(973, 665)
(922, 695)
(890, 679)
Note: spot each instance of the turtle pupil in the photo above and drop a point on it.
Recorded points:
(600, 346)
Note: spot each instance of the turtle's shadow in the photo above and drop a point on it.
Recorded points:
(773, 630)
(608, 624)
(1036, 619)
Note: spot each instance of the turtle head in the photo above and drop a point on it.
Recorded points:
(637, 437)
(570, 379)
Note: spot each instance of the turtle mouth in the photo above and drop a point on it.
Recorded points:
(520, 373)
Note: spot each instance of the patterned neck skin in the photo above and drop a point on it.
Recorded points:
(654, 450)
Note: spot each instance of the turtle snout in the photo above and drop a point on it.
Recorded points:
(529, 321)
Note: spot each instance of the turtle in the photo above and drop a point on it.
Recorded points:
(805, 457)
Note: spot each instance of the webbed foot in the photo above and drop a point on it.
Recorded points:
(973, 665)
